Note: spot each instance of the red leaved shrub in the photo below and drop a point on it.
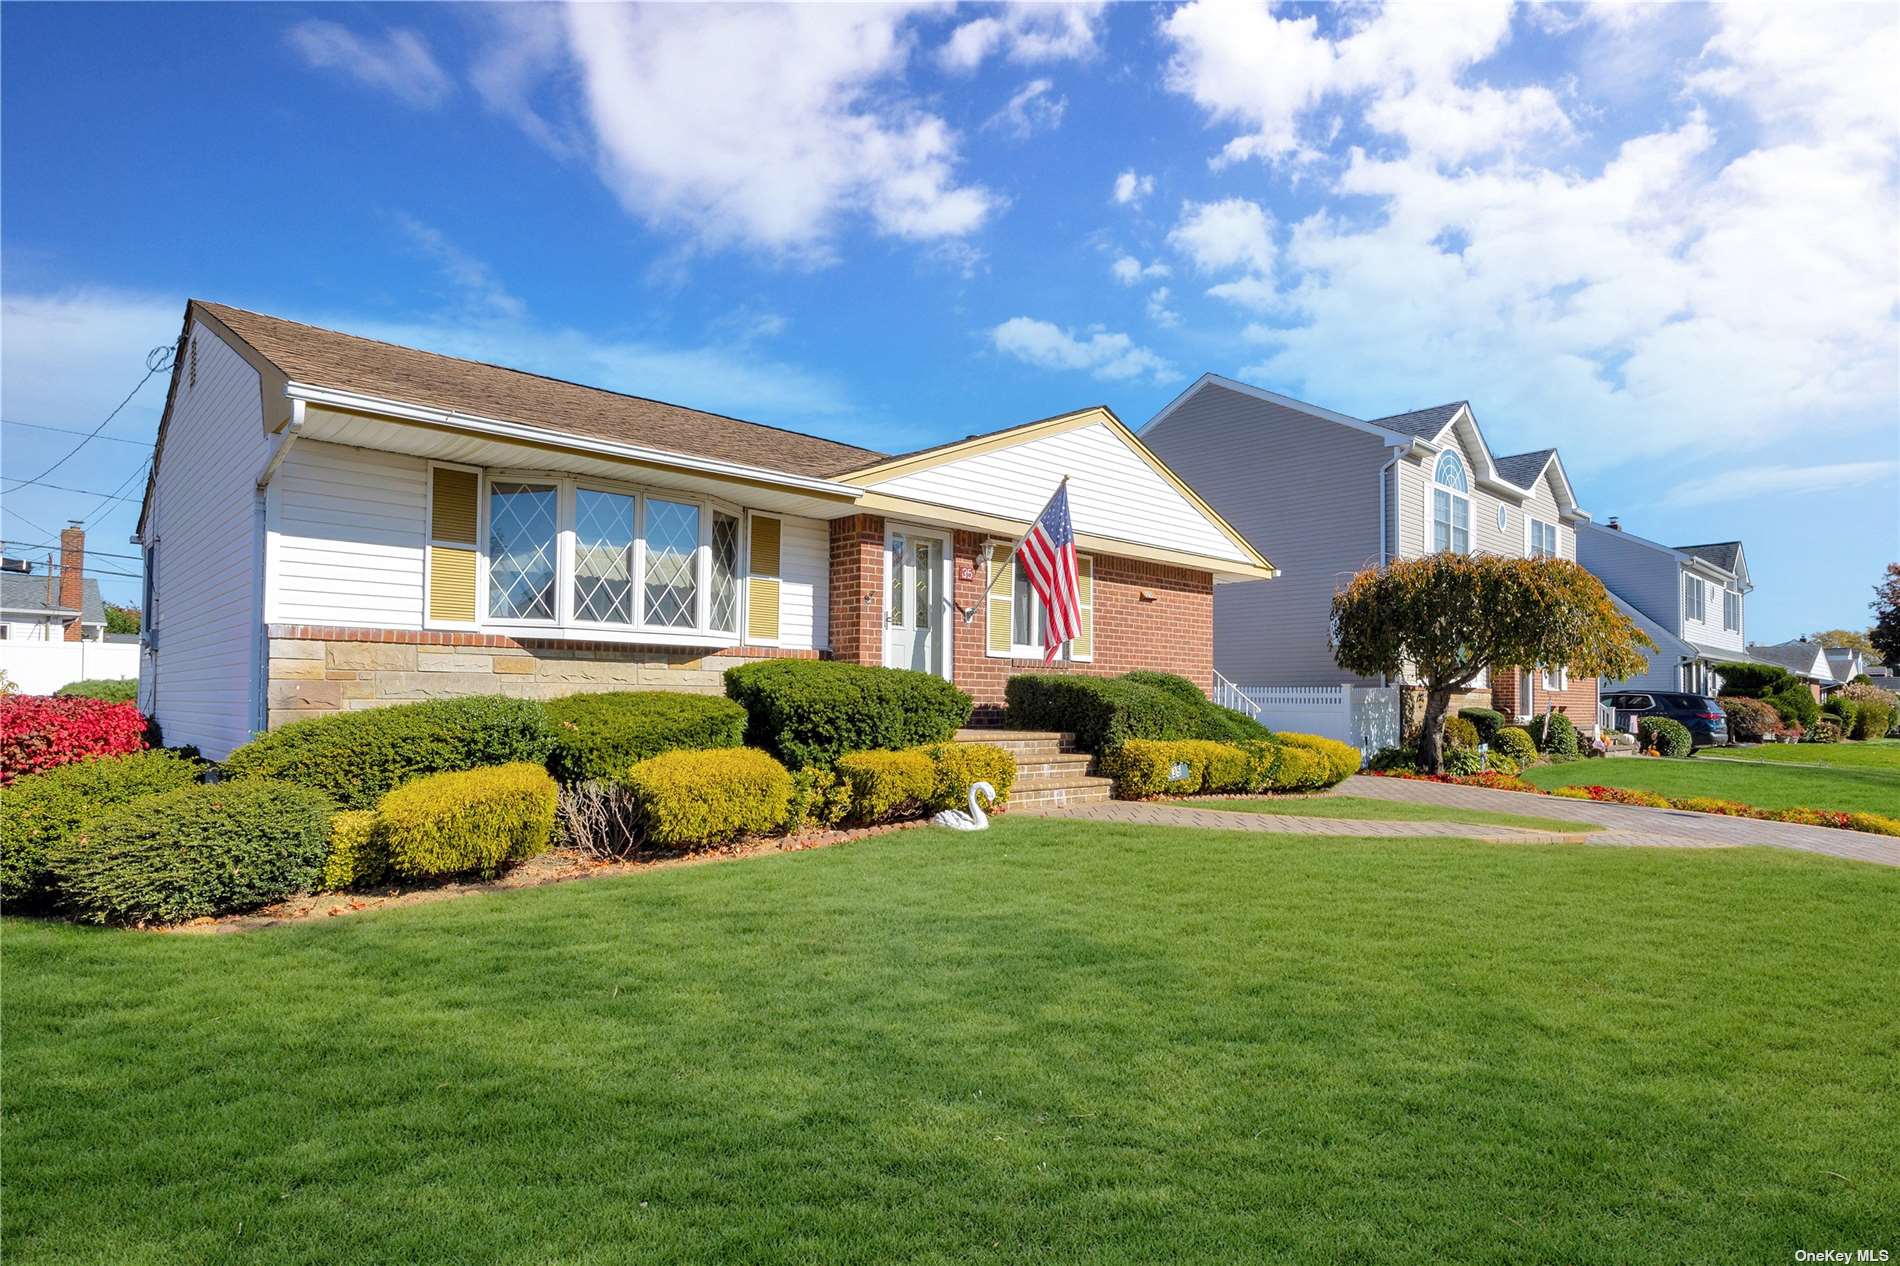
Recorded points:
(40, 731)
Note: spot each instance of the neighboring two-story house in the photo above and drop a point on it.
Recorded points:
(1336, 494)
(1690, 599)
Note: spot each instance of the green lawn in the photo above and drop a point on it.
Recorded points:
(1883, 754)
(1054, 1041)
(1768, 786)
(1368, 808)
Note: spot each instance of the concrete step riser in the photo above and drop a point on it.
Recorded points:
(1063, 799)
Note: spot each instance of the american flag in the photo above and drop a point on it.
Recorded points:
(1047, 556)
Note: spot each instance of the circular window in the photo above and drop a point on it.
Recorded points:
(1501, 517)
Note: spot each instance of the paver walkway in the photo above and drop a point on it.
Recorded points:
(1627, 825)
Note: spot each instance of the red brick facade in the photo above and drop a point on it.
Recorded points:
(1577, 700)
(1147, 615)
(857, 589)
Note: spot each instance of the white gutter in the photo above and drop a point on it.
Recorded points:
(1385, 470)
(495, 428)
(292, 430)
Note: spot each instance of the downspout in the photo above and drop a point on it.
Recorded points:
(1385, 478)
(260, 649)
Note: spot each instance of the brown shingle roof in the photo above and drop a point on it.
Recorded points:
(327, 358)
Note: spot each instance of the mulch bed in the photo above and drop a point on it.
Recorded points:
(560, 865)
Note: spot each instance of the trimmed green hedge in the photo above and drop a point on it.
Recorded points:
(193, 852)
(1145, 768)
(471, 820)
(38, 811)
(597, 736)
(1488, 722)
(887, 785)
(358, 757)
(959, 766)
(1667, 735)
(359, 852)
(1105, 711)
(1460, 731)
(1515, 741)
(693, 799)
(811, 712)
(108, 689)
(1554, 734)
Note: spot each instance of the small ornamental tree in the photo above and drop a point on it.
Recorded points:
(1446, 618)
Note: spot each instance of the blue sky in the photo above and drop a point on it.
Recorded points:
(1664, 239)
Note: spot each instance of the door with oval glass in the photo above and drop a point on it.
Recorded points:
(916, 632)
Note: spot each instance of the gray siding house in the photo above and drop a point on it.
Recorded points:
(1336, 494)
(1696, 595)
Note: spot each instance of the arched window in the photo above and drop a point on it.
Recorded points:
(1451, 506)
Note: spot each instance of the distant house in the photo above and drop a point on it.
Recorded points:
(1335, 494)
(52, 602)
(336, 523)
(1806, 660)
(1696, 595)
(1845, 663)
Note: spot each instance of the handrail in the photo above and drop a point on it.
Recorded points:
(1226, 688)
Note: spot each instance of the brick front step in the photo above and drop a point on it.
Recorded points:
(1039, 794)
(1051, 765)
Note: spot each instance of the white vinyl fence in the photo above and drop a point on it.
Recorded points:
(1365, 716)
(40, 668)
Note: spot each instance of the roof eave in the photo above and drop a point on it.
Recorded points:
(498, 428)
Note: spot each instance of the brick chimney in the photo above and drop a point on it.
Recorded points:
(72, 577)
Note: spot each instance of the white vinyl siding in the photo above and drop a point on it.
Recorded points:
(1112, 491)
(207, 607)
(347, 530)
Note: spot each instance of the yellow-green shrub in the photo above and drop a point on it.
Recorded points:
(358, 852)
(887, 785)
(692, 799)
(1499, 763)
(1341, 760)
(1299, 769)
(472, 820)
(1141, 768)
(1211, 766)
(819, 799)
(957, 766)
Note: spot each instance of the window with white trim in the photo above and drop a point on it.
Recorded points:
(564, 553)
(1557, 678)
(1451, 506)
(1731, 610)
(1012, 599)
(1543, 539)
(1693, 605)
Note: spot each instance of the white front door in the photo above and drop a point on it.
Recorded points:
(916, 630)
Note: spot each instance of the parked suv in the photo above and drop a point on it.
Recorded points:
(1707, 723)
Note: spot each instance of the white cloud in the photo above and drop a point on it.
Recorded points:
(1034, 109)
(1778, 480)
(1132, 272)
(520, 72)
(1025, 33)
(1158, 310)
(764, 125)
(398, 62)
(1130, 188)
(470, 277)
(1232, 234)
(1402, 64)
(1725, 280)
(1114, 357)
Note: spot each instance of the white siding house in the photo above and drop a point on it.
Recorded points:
(1697, 594)
(334, 523)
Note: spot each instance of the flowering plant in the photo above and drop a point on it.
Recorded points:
(38, 732)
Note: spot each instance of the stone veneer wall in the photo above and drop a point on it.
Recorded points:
(317, 670)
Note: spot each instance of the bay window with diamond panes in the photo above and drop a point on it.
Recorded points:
(567, 555)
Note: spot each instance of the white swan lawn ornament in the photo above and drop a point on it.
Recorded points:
(975, 819)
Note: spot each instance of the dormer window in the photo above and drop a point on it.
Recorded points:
(1451, 506)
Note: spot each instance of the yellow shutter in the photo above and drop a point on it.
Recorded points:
(762, 583)
(452, 546)
(1000, 614)
(1083, 647)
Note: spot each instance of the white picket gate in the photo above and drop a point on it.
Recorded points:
(1365, 716)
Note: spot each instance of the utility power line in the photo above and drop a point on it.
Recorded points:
(157, 361)
(67, 430)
